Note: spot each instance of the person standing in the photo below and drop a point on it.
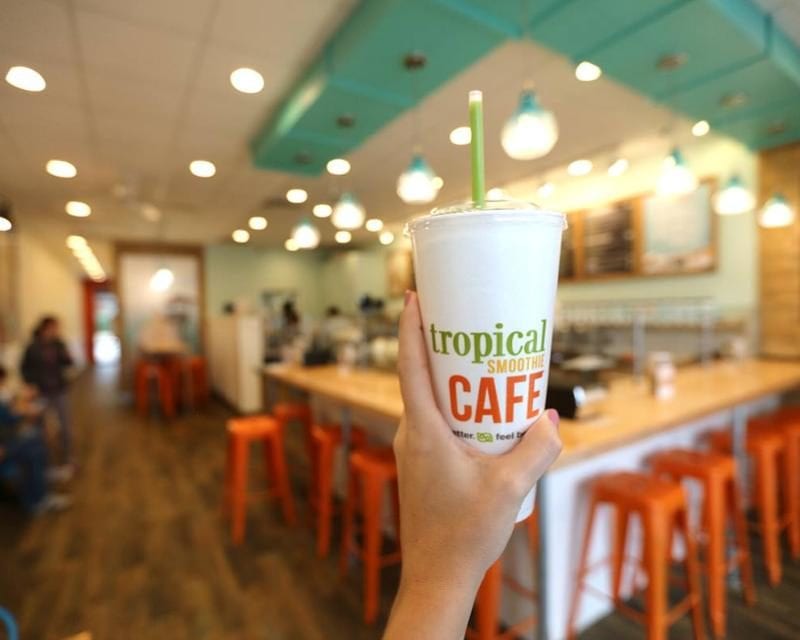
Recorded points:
(44, 366)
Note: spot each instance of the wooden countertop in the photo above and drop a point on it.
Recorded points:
(630, 411)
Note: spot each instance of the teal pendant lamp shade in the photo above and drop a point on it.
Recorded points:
(676, 177)
(417, 184)
(531, 132)
(776, 213)
(348, 213)
(305, 235)
(734, 198)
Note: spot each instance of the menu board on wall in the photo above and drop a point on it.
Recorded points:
(608, 239)
(566, 265)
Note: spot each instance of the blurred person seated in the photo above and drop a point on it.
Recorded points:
(23, 453)
(160, 337)
(335, 328)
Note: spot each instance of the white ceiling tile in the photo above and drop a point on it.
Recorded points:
(133, 51)
(34, 30)
(180, 16)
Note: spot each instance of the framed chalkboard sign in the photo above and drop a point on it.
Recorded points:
(641, 236)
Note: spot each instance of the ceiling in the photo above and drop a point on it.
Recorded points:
(138, 89)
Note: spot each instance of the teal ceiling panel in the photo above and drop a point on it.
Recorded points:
(578, 28)
(737, 69)
(687, 30)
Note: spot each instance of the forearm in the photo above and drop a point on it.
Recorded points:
(431, 610)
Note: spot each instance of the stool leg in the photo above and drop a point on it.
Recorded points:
(579, 574)
(324, 498)
(284, 490)
(347, 520)
(767, 489)
(655, 553)
(714, 508)
(618, 552)
(742, 542)
(487, 610)
(692, 574)
(371, 491)
(791, 461)
(239, 490)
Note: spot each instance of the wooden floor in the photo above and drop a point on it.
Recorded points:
(144, 553)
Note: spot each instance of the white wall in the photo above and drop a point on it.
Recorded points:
(49, 284)
(347, 275)
(733, 285)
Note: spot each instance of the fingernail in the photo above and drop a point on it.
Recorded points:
(407, 297)
(553, 416)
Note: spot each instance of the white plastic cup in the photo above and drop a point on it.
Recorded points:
(486, 279)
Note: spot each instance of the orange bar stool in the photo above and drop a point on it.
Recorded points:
(198, 380)
(765, 447)
(287, 412)
(144, 374)
(371, 472)
(717, 475)
(487, 602)
(325, 440)
(662, 508)
(241, 433)
(786, 421)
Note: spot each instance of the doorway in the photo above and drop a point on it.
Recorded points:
(101, 308)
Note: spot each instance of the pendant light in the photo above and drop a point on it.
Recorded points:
(734, 198)
(531, 132)
(162, 279)
(305, 235)
(676, 177)
(348, 213)
(776, 213)
(417, 184)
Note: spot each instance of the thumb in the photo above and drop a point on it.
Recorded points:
(537, 449)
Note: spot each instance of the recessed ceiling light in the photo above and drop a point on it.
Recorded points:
(587, 72)
(75, 242)
(26, 79)
(374, 224)
(322, 210)
(496, 193)
(202, 168)
(437, 182)
(247, 80)
(5, 224)
(150, 212)
(733, 100)
(291, 244)
(78, 209)
(241, 236)
(257, 223)
(618, 167)
(461, 136)
(61, 169)
(672, 61)
(579, 167)
(700, 128)
(386, 237)
(545, 190)
(297, 196)
(338, 167)
(343, 237)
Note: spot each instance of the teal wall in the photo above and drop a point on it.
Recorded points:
(347, 275)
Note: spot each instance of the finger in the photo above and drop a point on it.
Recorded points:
(536, 451)
(415, 376)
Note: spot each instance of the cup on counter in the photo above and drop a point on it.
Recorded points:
(486, 278)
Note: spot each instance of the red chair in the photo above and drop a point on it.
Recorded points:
(241, 433)
(147, 372)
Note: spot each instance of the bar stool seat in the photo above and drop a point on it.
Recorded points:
(242, 432)
(765, 447)
(716, 473)
(325, 440)
(487, 601)
(371, 472)
(662, 507)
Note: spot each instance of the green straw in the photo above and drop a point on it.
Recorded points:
(476, 147)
